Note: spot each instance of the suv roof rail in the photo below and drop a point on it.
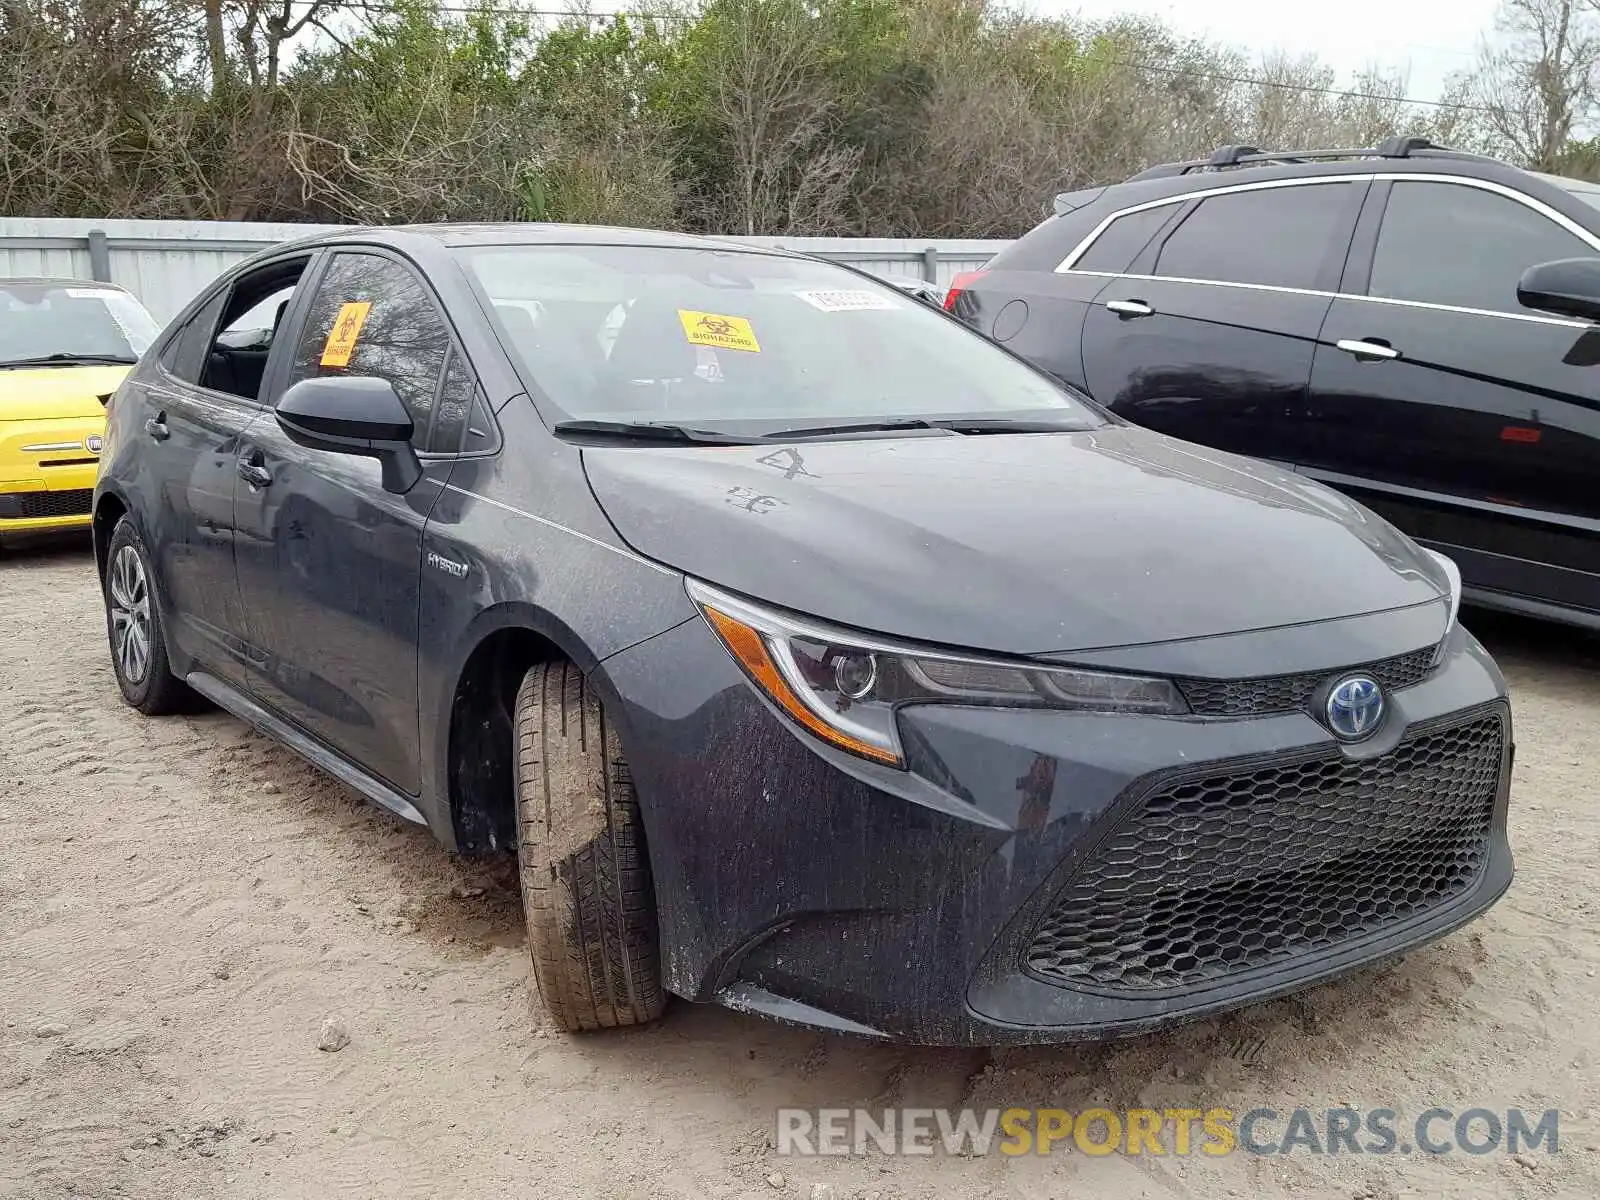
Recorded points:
(1224, 157)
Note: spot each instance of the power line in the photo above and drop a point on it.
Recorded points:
(1292, 87)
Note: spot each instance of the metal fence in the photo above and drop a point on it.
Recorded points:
(166, 263)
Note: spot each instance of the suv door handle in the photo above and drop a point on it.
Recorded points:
(156, 427)
(1129, 308)
(253, 469)
(1369, 349)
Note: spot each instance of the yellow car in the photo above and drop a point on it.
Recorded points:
(65, 345)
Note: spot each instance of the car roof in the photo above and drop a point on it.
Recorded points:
(1422, 164)
(524, 233)
(58, 281)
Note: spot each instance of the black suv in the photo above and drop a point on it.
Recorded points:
(1407, 323)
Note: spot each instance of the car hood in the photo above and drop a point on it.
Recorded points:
(1013, 543)
(43, 393)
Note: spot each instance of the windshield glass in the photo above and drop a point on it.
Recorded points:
(67, 321)
(713, 338)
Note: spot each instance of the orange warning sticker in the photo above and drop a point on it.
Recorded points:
(341, 343)
(714, 329)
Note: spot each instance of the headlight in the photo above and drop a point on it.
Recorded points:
(1453, 574)
(845, 688)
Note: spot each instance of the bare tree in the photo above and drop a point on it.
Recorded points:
(769, 93)
(1537, 79)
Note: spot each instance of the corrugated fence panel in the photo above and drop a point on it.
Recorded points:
(166, 263)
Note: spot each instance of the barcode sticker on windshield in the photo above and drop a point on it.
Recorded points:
(848, 301)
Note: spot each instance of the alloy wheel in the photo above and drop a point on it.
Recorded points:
(130, 615)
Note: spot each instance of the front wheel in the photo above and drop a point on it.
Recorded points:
(586, 887)
(133, 623)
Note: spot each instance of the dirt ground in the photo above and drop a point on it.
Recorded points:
(183, 904)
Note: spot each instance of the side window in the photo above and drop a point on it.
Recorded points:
(256, 325)
(1443, 243)
(456, 396)
(483, 434)
(1123, 239)
(1276, 236)
(397, 332)
(184, 355)
(224, 347)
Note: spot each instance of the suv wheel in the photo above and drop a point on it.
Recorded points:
(586, 888)
(133, 622)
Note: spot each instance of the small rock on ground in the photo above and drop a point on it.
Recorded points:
(335, 1035)
(51, 1029)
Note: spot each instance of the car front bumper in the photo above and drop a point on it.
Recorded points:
(1045, 876)
(47, 474)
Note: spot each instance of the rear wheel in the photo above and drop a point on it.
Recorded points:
(133, 623)
(586, 887)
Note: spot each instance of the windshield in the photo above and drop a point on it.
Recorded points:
(44, 322)
(714, 338)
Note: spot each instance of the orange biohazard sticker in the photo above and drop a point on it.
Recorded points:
(341, 343)
(714, 329)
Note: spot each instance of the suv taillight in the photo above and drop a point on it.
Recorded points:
(962, 281)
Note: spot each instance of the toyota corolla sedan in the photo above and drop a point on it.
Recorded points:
(816, 656)
(65, 345)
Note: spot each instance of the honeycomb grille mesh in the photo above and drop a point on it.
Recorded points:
(1229, 873)
(55, 504)
(1285, 693)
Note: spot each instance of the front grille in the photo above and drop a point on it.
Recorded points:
(1227, 873)
(1286, 693)
(47, 504)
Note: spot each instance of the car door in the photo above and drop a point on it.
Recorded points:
(330, 562)
(1439, 401)
(195, 410)
(1208, 336)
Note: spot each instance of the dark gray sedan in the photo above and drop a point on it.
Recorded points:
(815, 655)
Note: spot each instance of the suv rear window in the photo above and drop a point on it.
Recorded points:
(1123, 239)
(1279, 237)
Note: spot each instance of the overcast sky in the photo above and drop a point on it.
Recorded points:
(1427, 38)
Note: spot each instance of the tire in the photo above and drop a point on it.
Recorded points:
(133, 618)
(586, 887)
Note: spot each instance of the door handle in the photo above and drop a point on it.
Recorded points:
(1368, 349)
(156, 427)
(1129, 308)
(253, 470)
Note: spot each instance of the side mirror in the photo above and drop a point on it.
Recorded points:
(1569, 286)
(353, 414)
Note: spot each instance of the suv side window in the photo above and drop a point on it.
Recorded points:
(1123, 239)
(1445, 243)
(1276, 236)
(401, 337)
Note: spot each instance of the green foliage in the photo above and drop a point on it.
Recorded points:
(892, 117)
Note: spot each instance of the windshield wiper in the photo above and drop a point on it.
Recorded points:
(967, 425)
(652, 431)
(1003, 424)
(64, 357)
(816, 431)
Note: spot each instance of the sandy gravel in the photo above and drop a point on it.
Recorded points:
(183, 905)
